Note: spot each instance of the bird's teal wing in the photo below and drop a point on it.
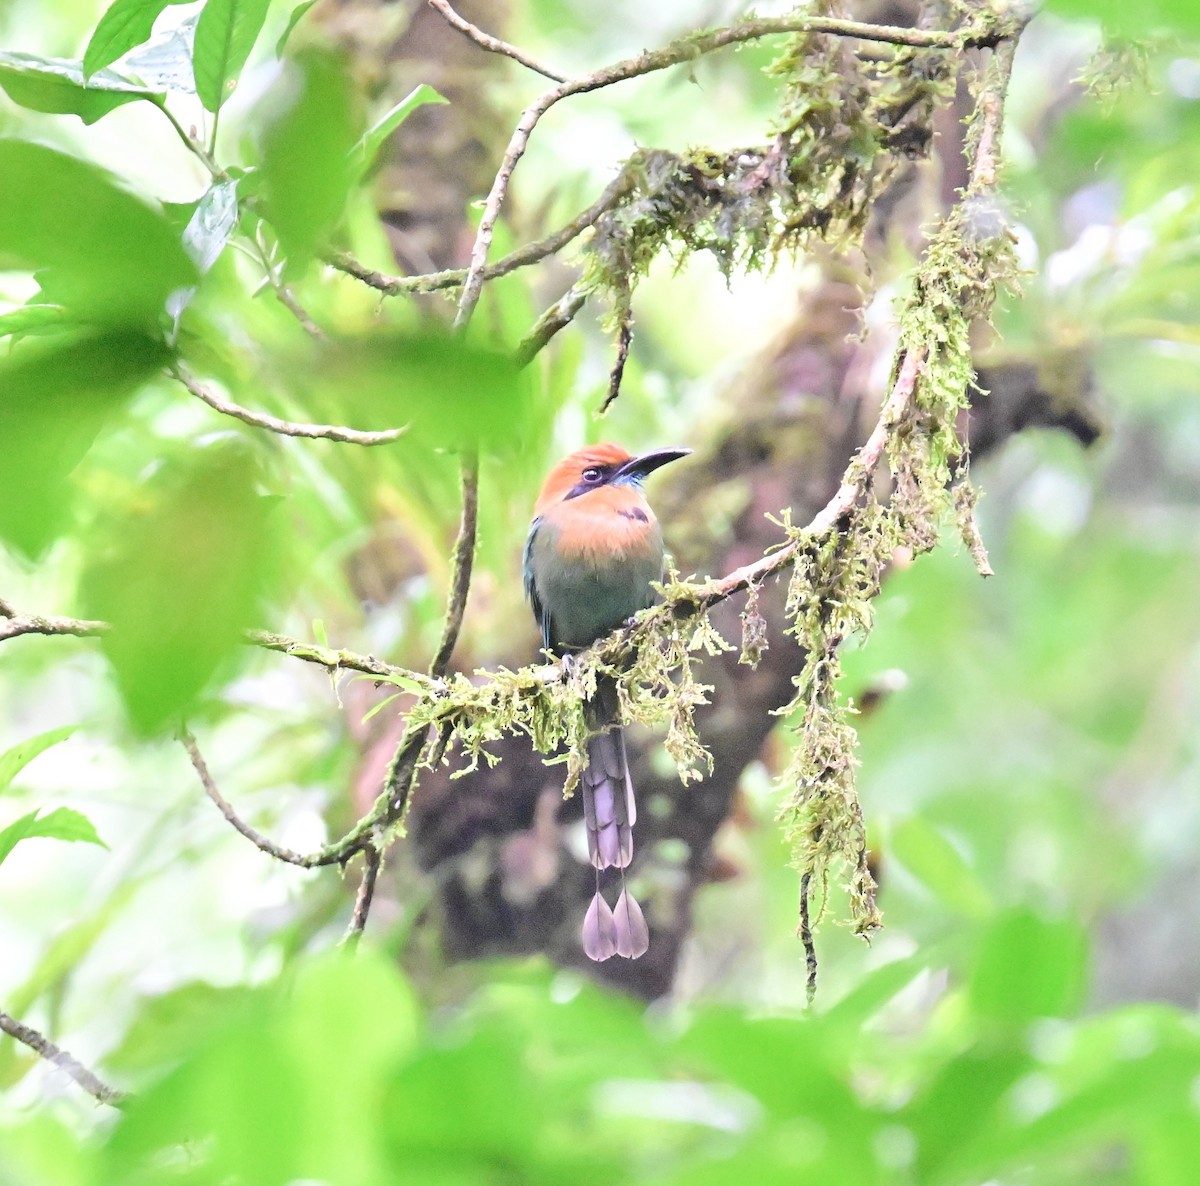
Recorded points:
(540, 612)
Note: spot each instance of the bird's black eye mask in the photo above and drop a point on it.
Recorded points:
(593, 477)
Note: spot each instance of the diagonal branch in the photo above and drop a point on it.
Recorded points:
(372, 863)
(329, 432)
(462, 564)
(265, 843)
(523, 257)
(555, 318)
(493, 44)
(42, 1046)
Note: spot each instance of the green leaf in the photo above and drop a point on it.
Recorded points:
(374, 138)
(14, 760)
(960, 1103)
(54, 401)
(290, 1084)
(209, 228)
(411, 686)
(165, 61)
(60, 824)
(867, 997)
(172, 1026)
(225, 35)
(108, 257)
(452, 394)
(294, 19)
(205, 236)
(940, 867)
(381, 705)
(58, 86)
(306, 169)
(30, 319)
(125, 24)
(1029, 967)
(181, 578)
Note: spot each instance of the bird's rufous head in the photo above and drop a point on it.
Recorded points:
(600, 465)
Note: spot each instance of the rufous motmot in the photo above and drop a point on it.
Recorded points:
(593, 549)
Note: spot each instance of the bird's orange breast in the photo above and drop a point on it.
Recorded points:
(604, 526)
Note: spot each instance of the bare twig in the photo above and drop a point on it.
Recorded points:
(283, 294)
(624, 341)
(287, 299)
(255, 837)
(392, 804)
(523, 257)
(194, 146)
(806, 939)
(329, 432)
(338, 660)
(557, 317)
(15, 624)
(854, 482)
(462, 564)
(683, 50)
(42, 1046)
(372, 862)
(493, 44)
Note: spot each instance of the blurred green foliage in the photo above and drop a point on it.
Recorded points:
(336, 1074)
(180, 575)
(317, 123)
(1031, 778)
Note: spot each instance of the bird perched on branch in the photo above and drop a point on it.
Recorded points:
(593, 549)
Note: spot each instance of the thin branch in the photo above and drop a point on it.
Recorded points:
(806, 939)
(523, 257)
(335, 660)
(624, 341)
(15, 624)
(493, 44)
(555, 318)
(393, 801)
(683, 50)
(42, 1046)
(462, 564)
(265, 843)
(289, 428)
(283, 294)
(195, 147)
(287, 299)
(372, 862)
(392, 804)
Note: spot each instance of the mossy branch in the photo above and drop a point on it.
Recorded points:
(986, 30)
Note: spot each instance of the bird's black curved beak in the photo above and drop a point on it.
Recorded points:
(637, 468)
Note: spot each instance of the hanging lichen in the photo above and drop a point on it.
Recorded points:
(843, 125)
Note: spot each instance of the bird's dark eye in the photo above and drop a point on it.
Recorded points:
(592, 474)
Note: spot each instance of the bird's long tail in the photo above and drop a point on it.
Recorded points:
(609, 812)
